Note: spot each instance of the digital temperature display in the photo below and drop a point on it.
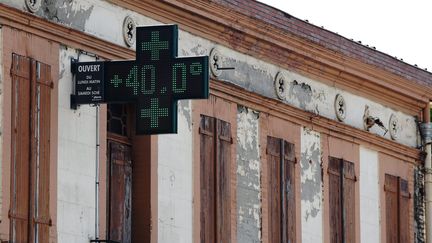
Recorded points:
(156, 80)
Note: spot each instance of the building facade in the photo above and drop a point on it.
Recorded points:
(306, 137)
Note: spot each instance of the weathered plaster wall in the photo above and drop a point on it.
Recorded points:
(248, 177)
(311, 187)
(76, 133)
(250, 73)
(175, 180)
(20, 4)
(369, 196)
(76, 161)
(312, 95)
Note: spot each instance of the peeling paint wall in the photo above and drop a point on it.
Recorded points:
(419, 205)
(76, 161)
(72, 13)
(175, 180)
(248, 177)
(311, 187)
(19, 4)
(369, 196)
(76, 171)
(250, 73)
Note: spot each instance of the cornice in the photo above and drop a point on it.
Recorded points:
(318, 123)
(245, 35)
(255, 38)
(77, 39)
(64, 35)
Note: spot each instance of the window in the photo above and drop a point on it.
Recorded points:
(282, 209)
(341, 200)
(30, 166)
(215, 162)
(119, 151)
(397, 209)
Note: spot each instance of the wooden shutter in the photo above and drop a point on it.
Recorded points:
(20, 166)
(215, 164)
(120, 193)
(397, 199)
(207, 179)
(281, 190)
(31, 114)
(275, 212)
(335, 200)
(391, 207)
(223, 197)
(341, 200)
(40, 142)
(349, 201)
(404, 219)
(289, 204)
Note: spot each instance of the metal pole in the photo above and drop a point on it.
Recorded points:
(97, 176)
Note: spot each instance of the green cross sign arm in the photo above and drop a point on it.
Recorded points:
(157, 79)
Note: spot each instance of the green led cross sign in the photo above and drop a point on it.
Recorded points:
(156, 80)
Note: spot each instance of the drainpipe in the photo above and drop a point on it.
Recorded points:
(97, 176)
(426, 137)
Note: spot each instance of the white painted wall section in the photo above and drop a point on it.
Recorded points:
(369, 196)
(249, 206)
(76, 162)
(175, 181)
(311, 187)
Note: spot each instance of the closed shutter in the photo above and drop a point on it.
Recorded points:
(223, 198)
(391, 207)
(397, 199)
(120, 193)
(207, 180)
(281, 190)
(31, 114)
(349, 201)
(40, 142)
(404, 219)
(215, 164)
(20, 154)
(289, 186)
(335, 200)
(275, 214)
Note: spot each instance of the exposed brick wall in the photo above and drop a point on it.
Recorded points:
(284, 21)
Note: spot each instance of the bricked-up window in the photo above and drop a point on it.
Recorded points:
(215, 162)
(282, 206)
(30, 165)
(397, 209)
(341, 200)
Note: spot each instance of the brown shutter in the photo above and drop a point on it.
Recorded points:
(223, 198)
(349, 201)
(31, 114)
(215, 164)
(335, 200)
(207, 179)
(391, 207)
(289, 186)
(282, 211)
(41, 124)
(20, 166)
(274, 160)
(120, 192)
(404, 219)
